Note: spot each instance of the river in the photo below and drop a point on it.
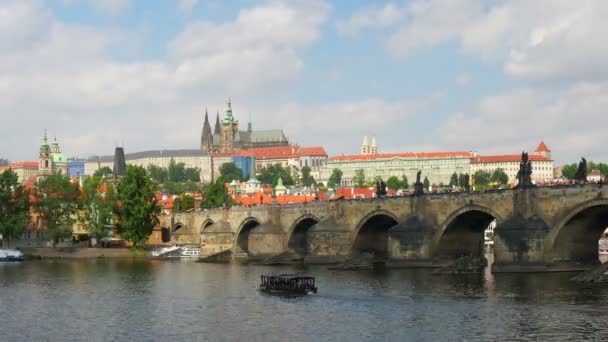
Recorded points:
(153, 300)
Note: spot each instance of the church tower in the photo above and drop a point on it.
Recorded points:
(543, 150)
(45, 165)
(365, 146)
(373, 148)
(229, 131)
(206, 136)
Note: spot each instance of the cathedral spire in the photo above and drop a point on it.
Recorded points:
(250, 124)
(206, 137)
(217, 124)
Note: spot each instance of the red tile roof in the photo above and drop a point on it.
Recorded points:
(317, 151)
(542, 147)
(31, 164)
(422, 155)
(277, 152)
(515, 158)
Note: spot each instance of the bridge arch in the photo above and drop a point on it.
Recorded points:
(574, 236)
(371, 233)
(242, 234)
(462, 233)
(177, 226)
(206, 224)
(298, 234)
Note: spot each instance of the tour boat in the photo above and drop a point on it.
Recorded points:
(189, 252)
(10, 255)
(165, 251)
(287, 284)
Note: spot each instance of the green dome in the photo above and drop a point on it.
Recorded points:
(59, 158)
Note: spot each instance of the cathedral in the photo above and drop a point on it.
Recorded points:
(51, 160)
(226, 136)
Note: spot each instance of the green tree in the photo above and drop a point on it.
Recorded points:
(138, 210)
(393, 183)
(14, 206)
(215, 194)
(359, 178)
(462, 180)
(192, 174)
(335, 180)
(176, 171)
(104, 171)
(404, 183)
(482, 178)
(184, 202)
(57, 204)
(174, 188)
(454, 180)
(230, 172)
(500, 177)
(159, 174)
(98, 206)
(569, 171)
(307, 179)
(271, 174)
(426, 183)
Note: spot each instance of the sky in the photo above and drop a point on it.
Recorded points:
(491, 76)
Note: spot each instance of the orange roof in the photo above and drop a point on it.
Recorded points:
(515, 158)
(236, 153)
(422, 155)
(317, 151)
(31, 164)
(542, 147)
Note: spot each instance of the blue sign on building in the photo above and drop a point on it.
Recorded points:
(76, 167)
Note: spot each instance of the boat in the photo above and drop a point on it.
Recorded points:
(287, 284)
(190, 252)
(11, 255)
(165, 251)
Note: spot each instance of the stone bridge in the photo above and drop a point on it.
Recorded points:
(553, 228)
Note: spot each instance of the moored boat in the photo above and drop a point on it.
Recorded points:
(288, 284)
(11, 255)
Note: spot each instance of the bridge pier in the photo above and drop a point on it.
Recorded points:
(409, 244)
(519, 245)
(329, 242)
(265, 240)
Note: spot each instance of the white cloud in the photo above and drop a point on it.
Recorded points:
(572, 122)
(464, 79)
(63, 77)
(186, 6)
(370, 17)
(113, 7)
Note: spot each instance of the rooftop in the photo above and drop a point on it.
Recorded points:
(515, 158)
(542, 147)
(153, 154)
(409, 155)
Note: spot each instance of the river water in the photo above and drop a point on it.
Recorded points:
(153, 300)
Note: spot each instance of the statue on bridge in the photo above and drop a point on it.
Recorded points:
(380, 188)
(418, 186)
(467, 183)
(581, 173)
(524, 176)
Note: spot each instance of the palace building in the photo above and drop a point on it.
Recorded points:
(227, 136)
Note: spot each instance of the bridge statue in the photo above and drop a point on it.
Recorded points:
(524, 176)
(418, 186)
(581, 173)
(467, 183)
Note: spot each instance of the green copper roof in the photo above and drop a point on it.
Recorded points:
(280, 185)
(59, 158)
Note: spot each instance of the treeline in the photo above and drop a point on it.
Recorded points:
(569, 170)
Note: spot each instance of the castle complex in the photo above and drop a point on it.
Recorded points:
(226, 136)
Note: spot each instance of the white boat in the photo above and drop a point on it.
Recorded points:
(10, 255)
(165, 251)
(603, 246)
(190, 252)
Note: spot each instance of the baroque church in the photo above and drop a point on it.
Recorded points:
(226, 136)
(51, 160)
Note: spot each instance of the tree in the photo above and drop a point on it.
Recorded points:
(174, 188)
(393, 183)
(426, 183)
(307, 179)
(159, 174)
(183, 203)
(500, 177)
(230, 172)
(462, 180)
(176, 171)
(569, 171)
(404, 183)
(98, 206)
(192, 174)
(14, 206)
(271, 174)
(454, 180)
(215, 194)
(57, 203)
(104, 171)
(335, 180)
(482, 178)
(138, 210)
(359, 178)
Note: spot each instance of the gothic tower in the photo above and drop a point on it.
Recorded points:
(373, 148)
(206, 136)
(365, 146)
(216, 131)
(45, 165)
(229, 131)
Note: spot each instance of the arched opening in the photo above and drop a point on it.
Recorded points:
(242, 240)
(206, 224)
(372, 236)
(177, 227)
(298, 241)
(465, 235)
(577, 239)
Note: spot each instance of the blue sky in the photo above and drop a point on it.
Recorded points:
(422, 75)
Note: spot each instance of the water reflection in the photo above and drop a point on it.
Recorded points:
(101, 300)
